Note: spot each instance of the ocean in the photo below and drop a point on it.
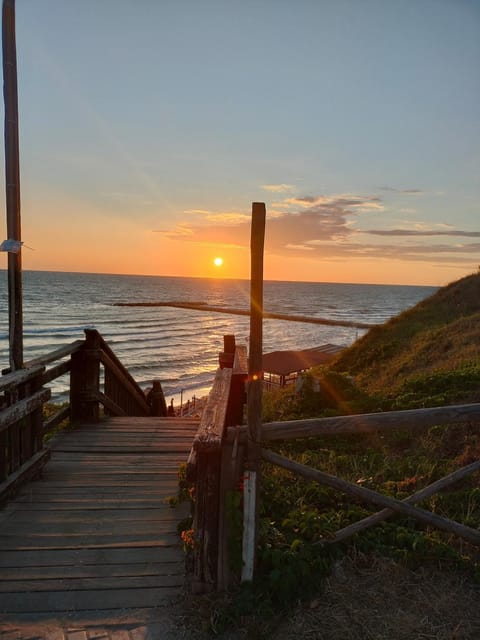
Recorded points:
(178, 346)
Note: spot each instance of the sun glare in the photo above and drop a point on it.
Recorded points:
(218, 262)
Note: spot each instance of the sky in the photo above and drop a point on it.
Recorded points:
(148, 128)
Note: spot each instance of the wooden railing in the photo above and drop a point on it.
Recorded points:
(414, 420)
(214, 468)
(97, 378)
(121, 395)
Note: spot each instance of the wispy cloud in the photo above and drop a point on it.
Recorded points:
(228, 217)
(407, 192)
(346, 201)
(181, 231)
(301, 247)
(278, 188)
(327, 227)
(428, 233)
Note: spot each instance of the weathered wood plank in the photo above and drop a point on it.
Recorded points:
(24, 574)
(370, 422)
(12, 542)
(162, 513)
(98, 536)
(23, 408)
(212, 423)
(85, 583)
(105, 528)
(65, 504)
(120, 557)
(90, 583)
(125, 449)
(74, 601)
(92, 491)
(21, 376)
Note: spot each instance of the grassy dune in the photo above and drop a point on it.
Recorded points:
(433, 346)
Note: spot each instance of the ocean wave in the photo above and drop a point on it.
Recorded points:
(181, 347)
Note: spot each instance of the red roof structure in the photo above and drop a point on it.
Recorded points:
(282, 367)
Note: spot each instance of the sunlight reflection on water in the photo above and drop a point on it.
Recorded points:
(180, 347)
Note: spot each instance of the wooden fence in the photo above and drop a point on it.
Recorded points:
(97, 378)
(218, 459)
(219, 469)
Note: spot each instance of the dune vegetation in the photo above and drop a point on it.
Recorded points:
(427, 356)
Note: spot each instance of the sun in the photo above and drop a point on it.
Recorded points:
(218, 262)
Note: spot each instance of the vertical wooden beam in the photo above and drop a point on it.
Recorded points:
(254, 392)
(12, 183)
(85, 380)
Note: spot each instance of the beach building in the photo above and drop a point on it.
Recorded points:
(281, 368)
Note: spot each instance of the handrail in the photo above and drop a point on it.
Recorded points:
(19, 377)
(58, 354)
(214, 471)
(367, 422)
(113, 365)
(22, 396)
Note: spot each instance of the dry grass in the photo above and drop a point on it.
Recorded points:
(377, 599)
(367, 597)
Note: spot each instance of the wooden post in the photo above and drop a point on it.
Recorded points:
(85, 380)
(227, 356)
(158, 406)
(254, 392)
(12, 183)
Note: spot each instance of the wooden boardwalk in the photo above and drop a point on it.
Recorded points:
(94, 537)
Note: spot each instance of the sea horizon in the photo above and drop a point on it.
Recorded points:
(151, 275)
(180, 347)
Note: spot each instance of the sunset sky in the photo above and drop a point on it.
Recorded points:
(148, 127)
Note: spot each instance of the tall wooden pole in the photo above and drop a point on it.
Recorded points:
(12, 183)
(254, 391)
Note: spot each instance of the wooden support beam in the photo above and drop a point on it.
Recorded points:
(254, 392)
(56, 419)
(426, 492)
(85, 379)
(55, 372)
